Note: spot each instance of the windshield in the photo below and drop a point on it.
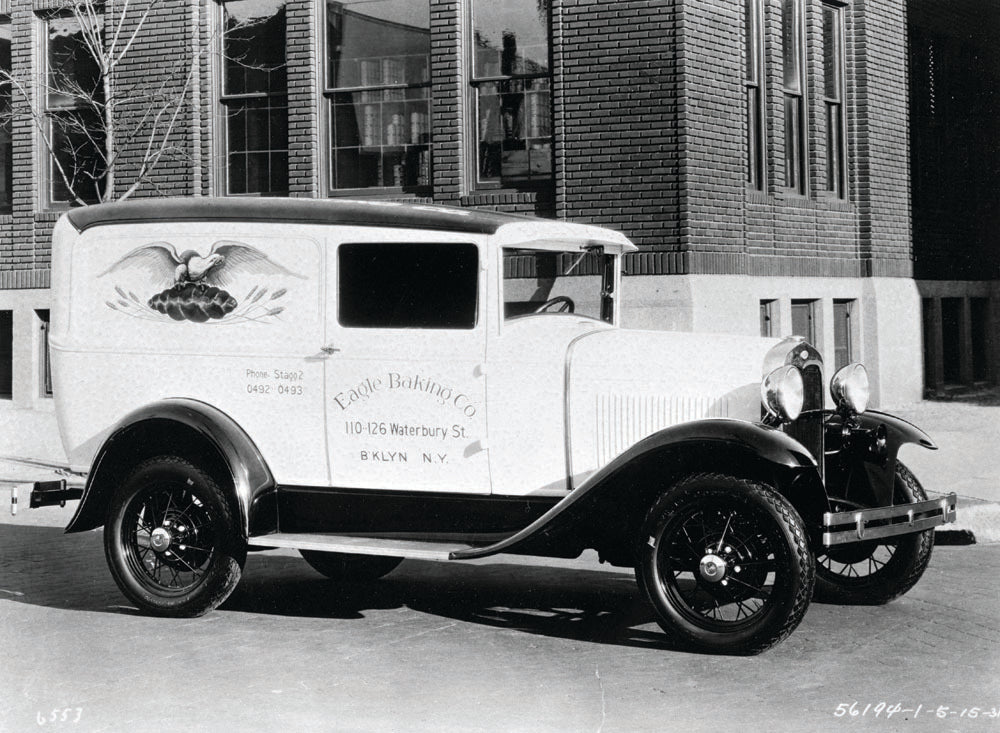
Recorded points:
(544, 282)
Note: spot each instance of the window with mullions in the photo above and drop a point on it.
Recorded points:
(833, 97)
(512, 82)
(794, 95)
(6, 164)
(378, 94)
(255, 97)
(74, 102)
(753, 39)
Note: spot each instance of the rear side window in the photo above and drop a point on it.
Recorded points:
(411, 285)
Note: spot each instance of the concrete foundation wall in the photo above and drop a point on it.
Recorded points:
(886, 328)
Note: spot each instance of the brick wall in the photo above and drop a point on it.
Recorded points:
(618, 146)
(648, 111)
(880, 125)
(159, 66)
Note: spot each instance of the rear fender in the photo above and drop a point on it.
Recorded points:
(193, 430)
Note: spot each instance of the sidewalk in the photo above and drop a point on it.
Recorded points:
(966, 430)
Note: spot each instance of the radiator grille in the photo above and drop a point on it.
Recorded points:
(808, 429)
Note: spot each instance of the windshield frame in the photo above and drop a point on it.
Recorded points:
(608, 269)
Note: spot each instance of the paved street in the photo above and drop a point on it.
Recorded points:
(510, 644)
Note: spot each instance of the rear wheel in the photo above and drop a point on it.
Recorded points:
(170, 539)
(868, 573)
(726, 564)
(340, 566)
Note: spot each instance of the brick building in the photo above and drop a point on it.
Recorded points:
(763, 154)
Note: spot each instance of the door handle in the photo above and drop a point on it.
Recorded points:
(329, 349)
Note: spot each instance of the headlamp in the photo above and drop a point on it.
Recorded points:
(782, 393)
(849, 388)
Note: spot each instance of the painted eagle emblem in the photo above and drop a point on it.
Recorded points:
(194, 283)
(220, 267)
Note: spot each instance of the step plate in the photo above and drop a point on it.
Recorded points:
(351, 545)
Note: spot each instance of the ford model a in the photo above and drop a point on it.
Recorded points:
(373, 381)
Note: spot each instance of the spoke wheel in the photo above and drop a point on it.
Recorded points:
(726, 565)
(170, 539)
(868, 573)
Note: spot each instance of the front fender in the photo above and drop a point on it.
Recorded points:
(861, 458)
(630, 482)
(183, 426)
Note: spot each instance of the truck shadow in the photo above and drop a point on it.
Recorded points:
(42, 566)
(571, 603)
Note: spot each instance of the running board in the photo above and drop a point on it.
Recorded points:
(351, 545)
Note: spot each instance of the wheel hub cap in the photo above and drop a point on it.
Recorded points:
(712, 568)
(160, 539)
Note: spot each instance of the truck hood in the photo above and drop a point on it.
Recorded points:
(624, 385)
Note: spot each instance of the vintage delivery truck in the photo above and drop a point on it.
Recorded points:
(367, 381)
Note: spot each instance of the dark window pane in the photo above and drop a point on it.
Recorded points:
(979, 309)
(237, 173)
(751, 38)
(374, 43)
(831, 53)
(803, 321)
(834, 149)
(6, 354)
(511, 37)
(515, 130)
(254, 47)
(791, 44)
(768, 308)
(77, 139)
(388, 285)
(793, 141)
(843, 311)
(952, 323)
(394, 138)
(754, 176)
(257, 126)
(380, 137)
(73, 72)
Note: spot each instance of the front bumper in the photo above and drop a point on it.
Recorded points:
(862, 525)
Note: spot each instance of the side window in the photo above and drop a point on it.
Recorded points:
(255, 97)
(408, 285)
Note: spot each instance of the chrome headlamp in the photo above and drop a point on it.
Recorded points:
(849, 388)
(782, 393)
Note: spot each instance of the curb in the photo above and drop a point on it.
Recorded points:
(977, 522)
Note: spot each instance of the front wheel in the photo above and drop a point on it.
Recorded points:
(726, 564)
(171, 540)
(869, 573)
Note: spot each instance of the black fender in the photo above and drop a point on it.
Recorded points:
(192, 429)
(608, 505)
(862, 456)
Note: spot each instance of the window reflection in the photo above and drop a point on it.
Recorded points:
(74, 97)
(512, 84)
(378, 91)
(255, 97)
